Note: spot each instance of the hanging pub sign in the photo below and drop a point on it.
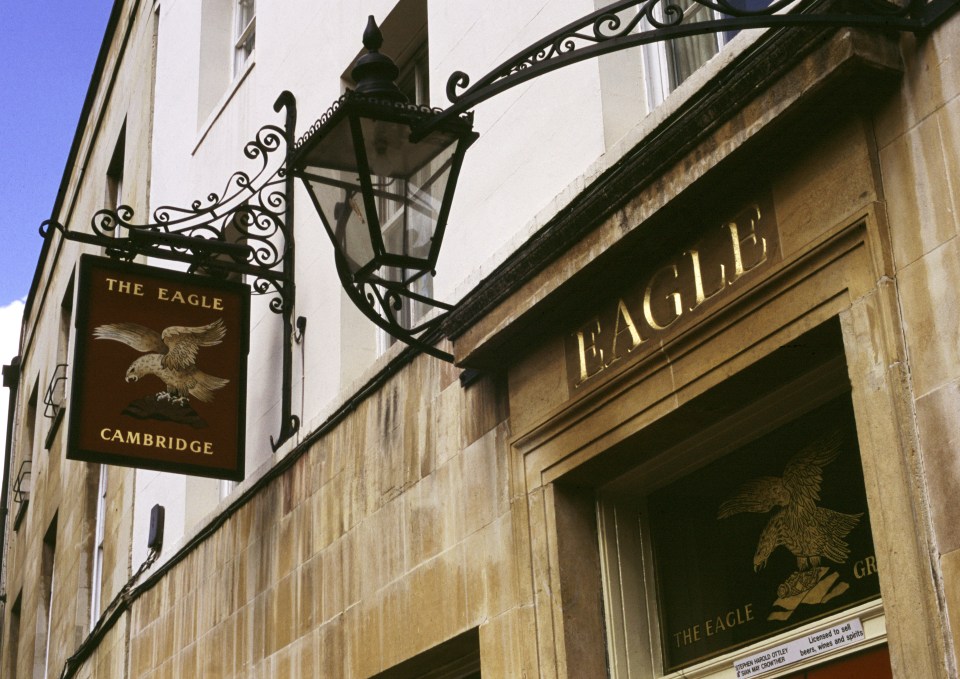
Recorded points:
(767, 538)
(159, 379)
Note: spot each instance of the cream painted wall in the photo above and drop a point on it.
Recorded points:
(306, 50)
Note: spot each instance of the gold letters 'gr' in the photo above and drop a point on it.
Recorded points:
(605, 339)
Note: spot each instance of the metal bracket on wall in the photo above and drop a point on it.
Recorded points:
(247, 230)
(630, 23)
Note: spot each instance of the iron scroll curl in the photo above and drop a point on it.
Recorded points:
(245, 229)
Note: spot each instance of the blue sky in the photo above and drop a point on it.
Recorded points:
(48, 49)
(47, 52)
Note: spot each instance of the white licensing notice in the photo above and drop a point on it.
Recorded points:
(847, 633)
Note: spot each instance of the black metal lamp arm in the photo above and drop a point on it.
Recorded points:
(630, 23)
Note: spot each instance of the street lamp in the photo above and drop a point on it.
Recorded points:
(383, 198)
(381, 171)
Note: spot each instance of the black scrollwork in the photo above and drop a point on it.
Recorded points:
(417, 110)
(630, 23)
(240, 230)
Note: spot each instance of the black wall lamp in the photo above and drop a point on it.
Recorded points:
(382, 172)
(384, 197)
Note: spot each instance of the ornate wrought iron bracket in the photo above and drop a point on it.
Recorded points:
(247, 229)
(630, 23)
(381, 301)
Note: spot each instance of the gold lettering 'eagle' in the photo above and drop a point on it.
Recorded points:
(171, 356)
(809, 531)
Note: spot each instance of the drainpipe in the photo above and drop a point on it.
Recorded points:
(11, 380)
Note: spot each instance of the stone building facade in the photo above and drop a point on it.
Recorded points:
(709, 426)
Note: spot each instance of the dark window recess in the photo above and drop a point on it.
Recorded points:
(21, 493)
(54, 398)
(457, 658)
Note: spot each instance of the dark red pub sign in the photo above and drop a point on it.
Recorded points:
(159, 377)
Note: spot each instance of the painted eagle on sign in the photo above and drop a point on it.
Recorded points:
(171, 356)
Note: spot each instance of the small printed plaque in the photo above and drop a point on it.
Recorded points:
(849, 633)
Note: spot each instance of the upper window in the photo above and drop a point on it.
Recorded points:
(244, 34)
(228, 32)
(670, 62)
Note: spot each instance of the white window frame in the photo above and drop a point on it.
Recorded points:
(96, 570)
(657, 57)
(244, 34)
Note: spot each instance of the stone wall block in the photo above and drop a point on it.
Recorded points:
(837, 165)
(309, 602)
(938, 419)
(932, 78)
(351, 569)
(330, 649)
(917, 192)
(394, 611)
(356, 489)
(244, 638)
(438, 599)
(479, 492)
(423, 515)
(950, 566)
(284, 664)
(142, 657)
(332, 583)
(948, 119)
(304, 529)
(447, 410)
(931, 317)
(265, 553)
(381, 550)
(259, 622)
(888, 450)
(225, 595)
(309, 662)
(246, 577)
(328, 522)
(491, 577)
(483, 406)
(294, 485)
(287, 545)
(419, 444)
(184, 621)
(538, 384)
(449, 485)
(545, 591)
(362, 636)
(284, 617)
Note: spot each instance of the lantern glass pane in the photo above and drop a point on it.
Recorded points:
(338, 199)
(409, 181)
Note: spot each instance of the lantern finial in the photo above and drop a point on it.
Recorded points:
(375, 74)
(372, 37)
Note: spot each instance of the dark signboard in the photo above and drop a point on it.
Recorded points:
(769, 537)
(159, 370)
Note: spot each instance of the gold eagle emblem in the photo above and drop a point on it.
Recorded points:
(810, 532)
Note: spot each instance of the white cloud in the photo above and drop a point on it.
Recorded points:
(9, 345)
